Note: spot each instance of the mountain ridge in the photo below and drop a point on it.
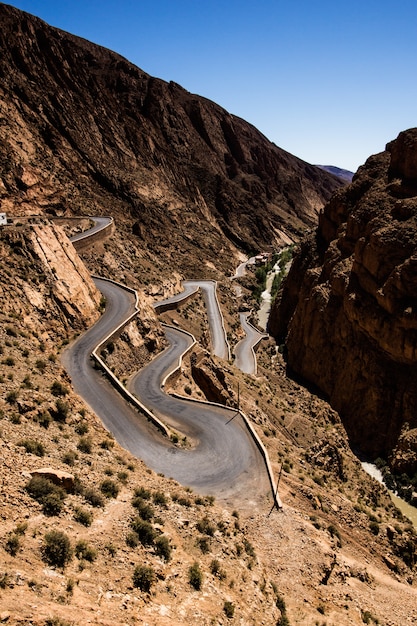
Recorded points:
(138, 146)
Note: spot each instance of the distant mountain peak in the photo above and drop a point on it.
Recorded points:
(338, 171)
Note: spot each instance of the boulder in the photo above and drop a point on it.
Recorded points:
(58, 477)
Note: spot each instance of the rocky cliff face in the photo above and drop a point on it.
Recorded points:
(83, 131)
(349, 309)
(44, 282)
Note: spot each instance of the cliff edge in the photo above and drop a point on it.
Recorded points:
(348, 309)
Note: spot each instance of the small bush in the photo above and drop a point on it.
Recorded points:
(52, 503)
(58, 389)
(144, 510)
(56, 549)
(82, 516)
(143, 577)
(215, 567)
(109, 488)
(143, 493)
(163, 547)
(12, 396)
(107, 444)
(49, 495)
(57, 621)
(32, 446)
(84, 551)
(12, 545)
(41, 365)
(204, 544)
(93, 497)
(81, 428)
(206, 527)
(144, 530)
(122, 477)
(70, 457)
(85, 445)
(249, 549)
(132, 539)
(160, 498)
(4, 580)
(44, 418)
(374, 527)
(195, 576)
(61, 410)
(229, 609)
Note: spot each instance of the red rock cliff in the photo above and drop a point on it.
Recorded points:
(348, 309)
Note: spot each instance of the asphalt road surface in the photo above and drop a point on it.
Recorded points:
(245, 358)
(99, 224)
(219, 344)
(222, 460)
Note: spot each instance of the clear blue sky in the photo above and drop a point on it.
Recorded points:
(330, 82)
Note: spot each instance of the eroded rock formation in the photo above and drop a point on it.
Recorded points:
(348, 310)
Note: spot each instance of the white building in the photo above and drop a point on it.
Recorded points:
(3, 219)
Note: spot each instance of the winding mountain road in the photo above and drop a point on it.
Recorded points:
(220, 346)
(222, 459)
(244, 351)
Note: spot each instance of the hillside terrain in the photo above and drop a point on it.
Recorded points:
(83, 131)
(192, 189)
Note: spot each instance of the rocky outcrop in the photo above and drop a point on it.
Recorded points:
(83, 131)
(348, 310)
(51, 287)
(211, 380)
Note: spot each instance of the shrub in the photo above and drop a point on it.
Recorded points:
(41, 365)
(204, 544)
(144, 510)
(81, 428)
(249, 549)
(374, 527)
(27, 383)
(49, 495)
(12, 396)
(61, 410)
(12, 545)
(132, 539)
(58, 389)
(163, 547)
(109, 488)
(144, 530)
(44, 418)
(206, 527)
(107, 444)
(82, 516)
(334, 532)
(160, 498)
(70, 457)
(122, 477)
(229, 608)
(52, 503)
(32, 446)
(56, 549)
(195, 576)
(143, 493)
(4, 580)
(57, 621)
(93, 497)
(85, 445)
(84, 551)
(143, 577)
